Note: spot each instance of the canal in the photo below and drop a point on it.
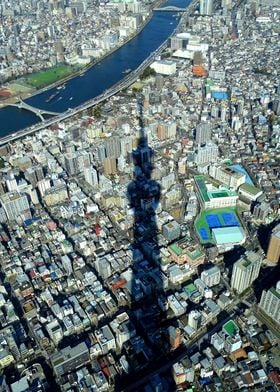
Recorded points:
(99, 77)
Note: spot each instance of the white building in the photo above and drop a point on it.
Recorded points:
(233, 179)
(15, 204)
(207, 154)
(270, 302)
(91, 176)
(43, 186)
(212, 276)
(194, 319)
(206, 7)
(106, 339)
(245, 271)
(164, 67)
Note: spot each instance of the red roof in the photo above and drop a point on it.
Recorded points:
(32, 274)
(274, 375)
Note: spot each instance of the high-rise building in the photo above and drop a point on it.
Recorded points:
(110, 166)
(43, 186)
(245, 271)
(166, 130)
(15, 205)
(91, 176)
(34, 174)
(261, 210)
(207, 154)
(113, 147)
(174, 337)
(103, 267)
(171, 231)
(11, 182)
(194, 319)
(203, 133)
(273, 252)
(212, 276)
(206, 7)
(76, 161)
(270, 302)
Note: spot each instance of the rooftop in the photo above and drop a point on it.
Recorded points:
(230, 328)
(224, 235)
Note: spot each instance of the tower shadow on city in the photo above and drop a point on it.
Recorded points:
(155, 336)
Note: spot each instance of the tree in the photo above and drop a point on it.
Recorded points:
(96, 112)
(147, 72)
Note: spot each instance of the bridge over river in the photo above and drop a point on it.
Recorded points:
(39, 112)
(170, 8)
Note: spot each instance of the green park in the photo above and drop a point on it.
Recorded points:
(49, 76)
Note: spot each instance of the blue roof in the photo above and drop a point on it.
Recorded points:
(241, 169)
(220, 95)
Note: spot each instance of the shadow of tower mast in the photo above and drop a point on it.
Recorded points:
(148, 299)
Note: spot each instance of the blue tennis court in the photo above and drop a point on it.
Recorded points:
(213, 221)
(230, 219)
(203, 234)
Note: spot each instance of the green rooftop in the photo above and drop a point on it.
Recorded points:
(180, 246)
(246, 263)
(230, 328)
(194, 254)
(250, 189)
(206, 194)
(200, 183)
(215, 195)
(275, 292)
(190, 289)
(175, 248)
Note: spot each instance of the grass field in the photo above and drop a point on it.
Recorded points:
(201, 222)
(49, 76)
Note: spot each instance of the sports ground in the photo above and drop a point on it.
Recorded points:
(46, 77)
(214, 218)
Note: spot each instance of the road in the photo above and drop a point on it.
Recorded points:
(165, 365)
(124, 83)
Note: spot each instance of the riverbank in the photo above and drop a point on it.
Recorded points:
(99, 82)
(33, 92)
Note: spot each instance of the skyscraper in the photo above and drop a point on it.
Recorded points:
(245, 271)
(206, 7)
(273, 252)
(203, 133)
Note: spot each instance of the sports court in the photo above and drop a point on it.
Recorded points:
(213, 219)
(230, 219)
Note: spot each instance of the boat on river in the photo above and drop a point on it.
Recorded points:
(52, 96)
(126, 71)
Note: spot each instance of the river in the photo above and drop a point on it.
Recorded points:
(99, 77)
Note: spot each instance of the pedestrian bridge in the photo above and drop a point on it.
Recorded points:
(170, 8)
(39, 112)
